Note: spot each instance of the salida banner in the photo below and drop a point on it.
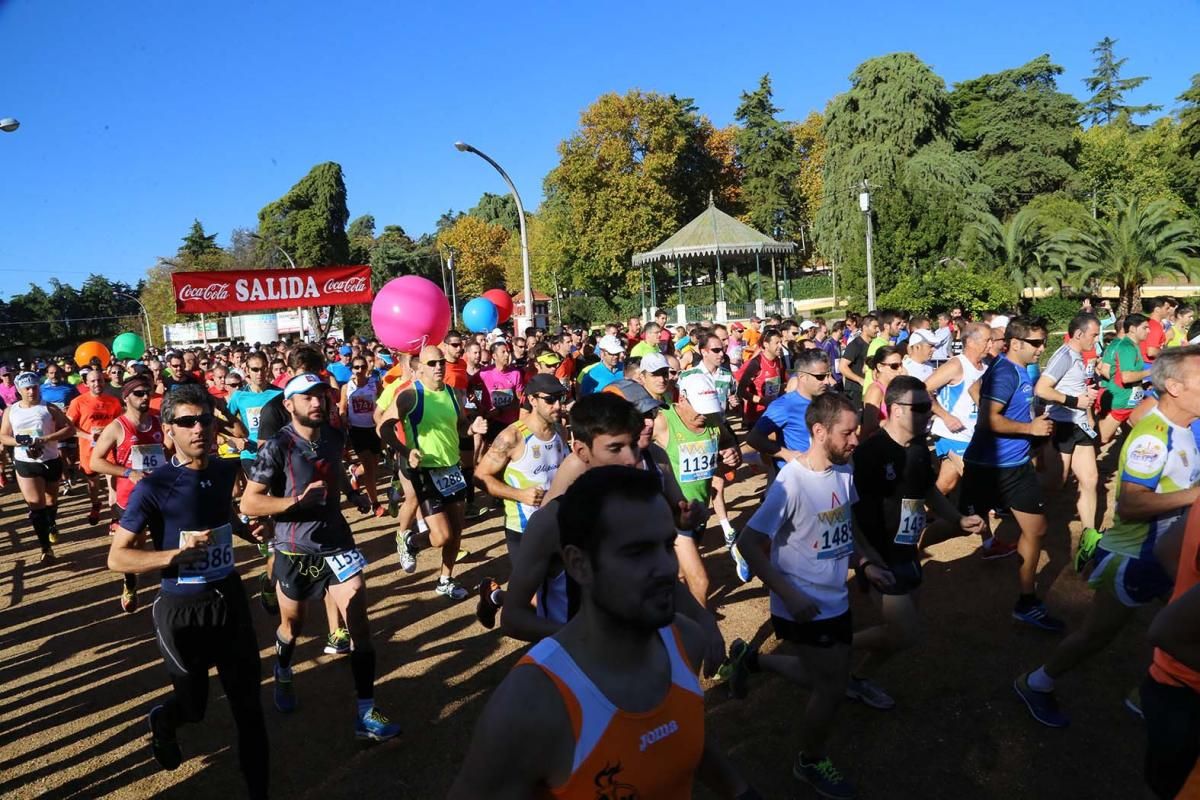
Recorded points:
(265, 289)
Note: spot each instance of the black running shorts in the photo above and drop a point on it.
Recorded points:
(302, 576)
(1067, 436)
(816, 633)
(365, 440)
(986, 488)
(49, 471)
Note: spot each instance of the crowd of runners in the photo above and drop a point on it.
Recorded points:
(605, 455)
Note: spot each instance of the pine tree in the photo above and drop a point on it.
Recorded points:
(197, 242)
(1108, 88)
(766, 155)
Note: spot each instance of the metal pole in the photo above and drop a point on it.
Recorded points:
(864, 202)
(528, 291)
(453, 288)
(145, 315)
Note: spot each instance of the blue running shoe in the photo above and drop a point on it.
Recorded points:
(285, 694)
(163, 744)
(1042, 705)
(743, 569)
(375, 726)
(824, 778)
(1037, 616)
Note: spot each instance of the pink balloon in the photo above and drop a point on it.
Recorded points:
(410, 312)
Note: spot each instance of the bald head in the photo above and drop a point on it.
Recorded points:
(430, 352)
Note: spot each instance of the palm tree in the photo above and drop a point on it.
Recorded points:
(1138, 243)
(1018, 247)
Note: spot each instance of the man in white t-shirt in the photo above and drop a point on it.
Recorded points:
(807, 526)
(917, 360)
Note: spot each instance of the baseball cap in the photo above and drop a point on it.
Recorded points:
(635, 393)
(653, 362)
(611, 344)
(756, 319)
(3, 371)
(998, 321)
(345, 350)
(737, 326)
(921, 336)
(807, 325)
(28, 379)
(304, 382)
(700, 392)
(544, 384)
(549, 359)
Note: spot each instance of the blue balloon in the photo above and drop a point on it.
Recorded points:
(480, 315)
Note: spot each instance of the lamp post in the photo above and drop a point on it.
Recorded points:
(864, 203)
(299, 309)
(8, 124)
(528, 295)
(453, 284)
(145, 315)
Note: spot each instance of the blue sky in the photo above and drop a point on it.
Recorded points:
(137, 117)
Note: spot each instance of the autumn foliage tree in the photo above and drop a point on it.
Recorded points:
(478, 254)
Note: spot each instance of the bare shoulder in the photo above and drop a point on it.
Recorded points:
(695, 640)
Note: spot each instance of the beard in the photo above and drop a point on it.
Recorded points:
(654, 609)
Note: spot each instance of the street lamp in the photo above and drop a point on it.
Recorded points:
(145, 315)
(864, 203)
(8, 124)
(299, 310)
(466, 148)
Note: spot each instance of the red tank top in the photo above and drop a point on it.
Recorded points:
(149, 453)
(623, 754)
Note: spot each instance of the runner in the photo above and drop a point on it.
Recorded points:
(895, 481)
(1159, 472)
(853, 363)
(1064, 384)
(91, 413)
(503, 384)
(357, 409)
(806, 527)
(918, 353)
(624, 665)
(886, 364)
(295, 480)
(609, 369)
(712, 364)
(57, 392)
(784, 420)
(954, 407)
(999, 473)
(34, 430)
(1127, 371)
(8, 396)
(201, 617)
(518, 468)
(762, 378)
(433, 422)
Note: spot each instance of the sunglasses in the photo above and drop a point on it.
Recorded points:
(892, 364)
(922, 407)
(360, 366)
(190, 420)
(1034, 342)
(140, 393)
(255, 369)
(233, 384)
(454, 344)
(821, 376)
(435, 363)
(716, 349)
(552, 399)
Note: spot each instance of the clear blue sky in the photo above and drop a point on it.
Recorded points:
(137, 117)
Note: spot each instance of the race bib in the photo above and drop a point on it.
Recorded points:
(771, 387)
(345, 566)
(146, 457)
(1135, 396)
(253, 416)
(912, 522)
(217, 561)
(362, 405)
(836, 539)
(697, 461)
(448, 480)
(503, 398)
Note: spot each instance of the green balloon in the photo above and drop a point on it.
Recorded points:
(128, 345)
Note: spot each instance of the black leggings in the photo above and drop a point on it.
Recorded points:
(214, 630)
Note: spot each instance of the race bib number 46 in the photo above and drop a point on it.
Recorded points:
(146, 457)
(216, 561)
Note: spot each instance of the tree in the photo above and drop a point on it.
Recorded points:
(498, 209)
(1189, 143)
(547, 256)
(1138, 243)
(478, 247)
(1020, 129)
(767, 158)
(1016, 248)
(197, 242)
(1118, 161)
(809, 139)
(943, 286)
(894, 129)
(721, 144)
(1108, 88)
(361, 238)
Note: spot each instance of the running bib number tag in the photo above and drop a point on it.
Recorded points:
(1135, 396)
(146, 457)
(912, 521)
(345, 566)
(448, 481)
(503, 398)
(771, 387)
(697, 461)
(253, 416)
(215, 563)
(837, 539)
(362, 405)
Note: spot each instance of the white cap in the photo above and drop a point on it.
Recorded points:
(653, 362)
(921, 336)
(304, 382)
(807, 325)
(998, 321)
(611, 344)
(700, 392)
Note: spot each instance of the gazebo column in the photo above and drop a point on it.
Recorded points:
(680, 306)
(785, 290)
(642, 289)
(722, 314)
(653, 295)
(760, 309)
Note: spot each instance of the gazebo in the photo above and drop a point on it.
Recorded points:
(712, 235)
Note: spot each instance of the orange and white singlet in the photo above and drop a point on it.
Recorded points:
(621, 754)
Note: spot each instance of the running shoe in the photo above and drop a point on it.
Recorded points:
(1133, 702)
(474, 510)
(3, 479)
(869, 693)
(1088, 539)
(1037, 616)
(730, 538)
(354, 484)
(737, 669)
(448, 587)
(266, 594)
(461, 554)
(380, 510)
(285, 693)
(393, 495)
(486, 609)
(998, 549)
(163, 745)
(94, 516)
(1042, 705)
(337, 643)
(66, 486)
(375, 726)
(823, 777)
(47, 557)
(743, 569)
(129, 601)
(53, 534)
(407, 552)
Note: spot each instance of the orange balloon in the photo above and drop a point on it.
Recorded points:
(89, 350)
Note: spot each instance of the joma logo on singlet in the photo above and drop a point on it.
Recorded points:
(657, 734)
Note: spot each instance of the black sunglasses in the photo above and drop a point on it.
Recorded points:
(360, 366)
(1033, 342)
(716, 349)
(140, 393)
(255, 369)
(435, 363)
(922, 407)
(552, 399)
(892, 364)
(818, 375)
(190, 420)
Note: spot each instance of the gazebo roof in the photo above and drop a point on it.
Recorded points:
(713, 233)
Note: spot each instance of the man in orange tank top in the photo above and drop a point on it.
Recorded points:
(610, 706)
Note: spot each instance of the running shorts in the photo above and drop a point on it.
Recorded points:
(943, 446)
(1172, 736)
(1133, 581)
(49, 471)
(987, 488)
(303, 576)
(907, 576)
(194, 632)
(365, 440)
(815, 633)
(1067, 436)
(430, 499)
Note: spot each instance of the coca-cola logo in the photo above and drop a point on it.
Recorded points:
(346, 286)
(213, 291)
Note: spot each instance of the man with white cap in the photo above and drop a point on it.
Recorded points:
(607, 370)
(921, 344)
(691, 434)
(654, 373)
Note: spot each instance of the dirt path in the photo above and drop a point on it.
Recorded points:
(77, 678)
